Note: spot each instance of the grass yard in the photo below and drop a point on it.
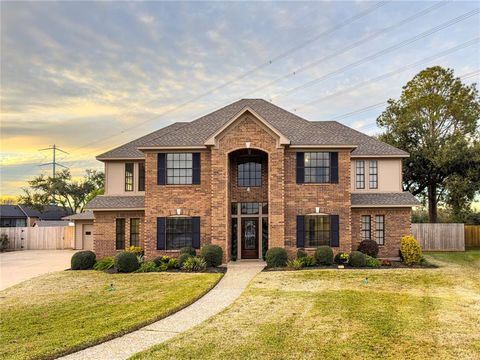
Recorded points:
(57, 313)
(332, 314)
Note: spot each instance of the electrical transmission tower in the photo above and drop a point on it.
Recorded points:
(54, 162)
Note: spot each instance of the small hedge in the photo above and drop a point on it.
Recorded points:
(213, 255)
(182, 258)
(324, 255)
(372, 262)
(357, 259)
(276, 257)
(368, 247)
(147, 266)
(341, 258)
(126, 262)
(194, 264)
(410, 250)
(83, 260)
(188, 250)
(301, 253)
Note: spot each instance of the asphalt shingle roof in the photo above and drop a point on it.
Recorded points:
(103, 202)
(385, 199)
(46, 223)
(86, 215)
(298, 130)
(11, 211)
(49, 212)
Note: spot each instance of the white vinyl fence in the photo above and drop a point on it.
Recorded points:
(440, 237)
(40, 238)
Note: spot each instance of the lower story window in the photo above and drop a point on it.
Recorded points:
(120, 234)
(134, 232)
(366, 227)
(317, 230)
(179, 233)
(380, 229)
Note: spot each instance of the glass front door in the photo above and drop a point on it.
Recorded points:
(249, 238)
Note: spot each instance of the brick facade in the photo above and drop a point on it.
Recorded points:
(397, 224)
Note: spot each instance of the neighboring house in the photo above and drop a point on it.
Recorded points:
(22, 215)
(248, 177)
(83, 229)
(49, 223)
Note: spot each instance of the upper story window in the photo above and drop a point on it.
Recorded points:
(129, 177)
(250, 173)
(141, 176)
(179, 168)
(366, 227)
(360, 174)
(317, 167)
(373, 175)
(317, 230)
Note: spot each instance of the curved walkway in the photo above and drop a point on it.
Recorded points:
(222, 295)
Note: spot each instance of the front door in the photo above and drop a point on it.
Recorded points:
(249, 238)
(87, 237)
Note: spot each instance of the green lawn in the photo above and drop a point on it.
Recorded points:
(332, 314)
(57, 313)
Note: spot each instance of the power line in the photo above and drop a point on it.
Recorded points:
(54, 163)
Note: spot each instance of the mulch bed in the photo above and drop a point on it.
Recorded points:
(395, 265)
(210, 270)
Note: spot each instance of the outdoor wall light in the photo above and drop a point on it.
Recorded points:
(179, 211)
(317, 209)
(247, 144)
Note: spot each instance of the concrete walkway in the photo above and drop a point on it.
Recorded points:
(222, 295)
(18, 266)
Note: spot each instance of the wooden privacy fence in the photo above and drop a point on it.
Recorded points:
(472, 236)
(40, 238)
(440, 237)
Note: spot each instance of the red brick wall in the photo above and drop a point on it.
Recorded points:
(397, 224)
(105, 227)
(333, 199)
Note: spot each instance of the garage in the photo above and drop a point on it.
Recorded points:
(83, 229)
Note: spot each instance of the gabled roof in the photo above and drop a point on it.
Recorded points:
(104, 203)
(49, 212)
(289, 127)
(398, 199)
(11, 211)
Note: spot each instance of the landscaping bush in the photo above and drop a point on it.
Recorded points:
(301, 253)
(194, 264)
(372, 262)
(341, 258)
(182, 258)
(161, 260)
(276, 257)
(104, 264)
(126, 262)
(135, 249)
(308, 261)
(324, 255)
(188, 250)
(296, 264)
(357, 259)
(213, 255)
(83, 260)
(4, 242)
(147, 266)
(410, 250)
(368, 247)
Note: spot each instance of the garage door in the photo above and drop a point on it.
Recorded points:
(87, 236)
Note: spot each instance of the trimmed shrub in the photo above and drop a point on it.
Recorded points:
(213, 255)
(301, 253)
(147, 266)
(357, 259)
(104, 264)
(295, 264)
(135, 249)
(276, 257)
(410, 250)
(324, 255)
(159, 260)
(172, 263)
(83, 260)
(341, 258)
(194, 264)
(126, 262)
(188, 250)
(372, 262)
(308, 261)
(182, 258)
(368, 247)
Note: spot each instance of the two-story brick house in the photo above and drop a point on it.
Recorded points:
(248, 177)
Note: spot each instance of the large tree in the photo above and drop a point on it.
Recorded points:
(436, 121)
(62, 190)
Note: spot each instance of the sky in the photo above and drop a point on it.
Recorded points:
(90, 76)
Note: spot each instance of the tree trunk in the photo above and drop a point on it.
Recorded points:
(432, 203)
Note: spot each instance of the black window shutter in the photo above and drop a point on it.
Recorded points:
(300, 231)
(196, 168)
(161, 233)
(334, 167)
(300, 167)
(196, 232)
(334, 231)
(161, 168)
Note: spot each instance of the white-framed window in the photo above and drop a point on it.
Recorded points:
(380, 229)
(179, 168)
(365, 227)
(373, 175)
(360, 174)
(317, 167)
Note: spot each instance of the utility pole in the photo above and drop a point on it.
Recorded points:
(54, 162)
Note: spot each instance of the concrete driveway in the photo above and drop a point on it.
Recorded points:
(18, 266)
